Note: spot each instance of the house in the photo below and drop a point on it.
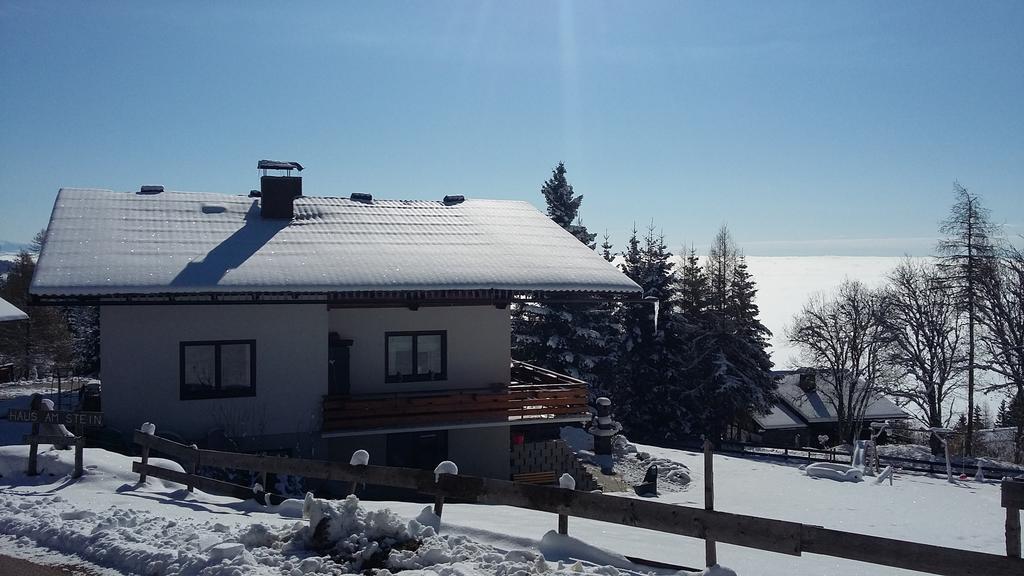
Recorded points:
(316, 326)
(803, 410)
(10, 313)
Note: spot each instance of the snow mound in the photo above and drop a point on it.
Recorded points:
(833, 471)
(576, 438)
(353, 536)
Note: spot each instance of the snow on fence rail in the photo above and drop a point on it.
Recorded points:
(750, 531)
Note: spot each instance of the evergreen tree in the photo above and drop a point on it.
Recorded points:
(564, 205)
(1001, 414)
(730, 371)
(571, 338)
(743, 310)
(968, 260)
(606, 248)
(1015, 411)
(730, 377)
(693, 288)
(980, 421)
(649, 380)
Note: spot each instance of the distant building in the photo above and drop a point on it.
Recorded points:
(804, 411)
(10, 313)
(318, 326)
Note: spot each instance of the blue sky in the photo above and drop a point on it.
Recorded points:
(810, 128)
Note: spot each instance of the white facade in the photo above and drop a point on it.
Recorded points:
(141, 371)
(479, 340)
(140, 348)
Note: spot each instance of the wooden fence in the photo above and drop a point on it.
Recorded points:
(778, 536)
(815, 455)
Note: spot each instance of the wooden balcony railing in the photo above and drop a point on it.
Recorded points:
(534, 394)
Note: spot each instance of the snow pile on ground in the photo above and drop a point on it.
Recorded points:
(628, 462)
(159, 528)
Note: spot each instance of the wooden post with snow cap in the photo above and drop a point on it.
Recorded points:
(146, 428)
(446, 467)
(566, 482)
(710, 553)
(359, 458)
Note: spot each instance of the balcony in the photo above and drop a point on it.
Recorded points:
(535, 395)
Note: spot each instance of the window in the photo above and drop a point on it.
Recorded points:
(416, 356)
(218, 369)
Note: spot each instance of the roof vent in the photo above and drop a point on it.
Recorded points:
(361, 197)
(151, 189)
(255, 193)
(454, 199)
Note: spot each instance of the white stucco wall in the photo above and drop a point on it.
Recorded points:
(478, 344)
(140, 366)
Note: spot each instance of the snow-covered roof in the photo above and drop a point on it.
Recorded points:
(101, 243)
(815, 408)
(9, 312)
(781, 417)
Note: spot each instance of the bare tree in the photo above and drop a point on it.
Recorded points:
(967, 258)
(844, 338)
(927, 336)
(1002, 314)
(723, 257)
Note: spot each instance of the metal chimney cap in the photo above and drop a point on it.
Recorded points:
(361, 197)
(278, 165)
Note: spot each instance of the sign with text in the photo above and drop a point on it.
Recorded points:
(54, 417)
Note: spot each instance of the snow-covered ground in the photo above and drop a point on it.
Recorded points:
(159, 528)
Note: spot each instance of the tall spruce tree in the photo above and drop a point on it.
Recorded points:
(729, 374)
(693, 287)
(649, 381)
(564, 205)
(569, 338)
(742, 306)
(968, 259)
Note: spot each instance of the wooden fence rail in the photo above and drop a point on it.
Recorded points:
(815, 455)
(778, 536)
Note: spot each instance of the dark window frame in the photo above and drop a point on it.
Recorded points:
(416, 377)
(217, 392)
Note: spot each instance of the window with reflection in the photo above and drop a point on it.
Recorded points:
(217, 369)
(416, 356)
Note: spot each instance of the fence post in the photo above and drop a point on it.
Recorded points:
(33, 446)
(145, 462)
(710, 554)
(1012, 493)
(191, 466)
(79, 449)
(438, 505)
(566, 482)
